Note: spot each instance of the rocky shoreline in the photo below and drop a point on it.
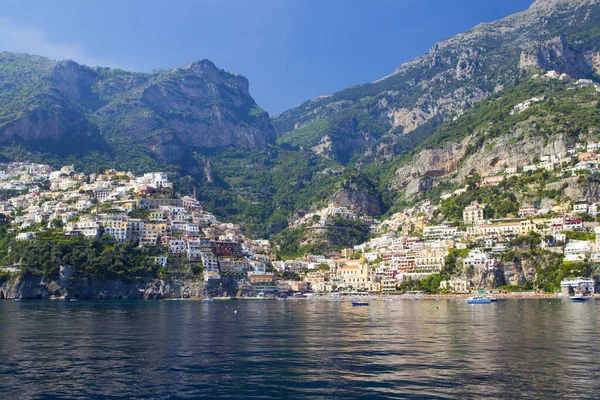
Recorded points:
(33, 287)
(36, 287)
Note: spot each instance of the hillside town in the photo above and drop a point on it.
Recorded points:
(408, 246)
(124, 207)
(411, 246)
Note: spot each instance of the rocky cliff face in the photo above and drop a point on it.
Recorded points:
(451, 162)
(33, 287)
(499, 134)
(357, 200)
(427, 164)
(170, 113)
(514, 272)
(518, 271)
(196, 106)
(34, 110)
(556, 54)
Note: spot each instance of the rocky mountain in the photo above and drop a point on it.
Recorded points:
(390, 116)
(63, 107)
(434, 122)
(540, 117)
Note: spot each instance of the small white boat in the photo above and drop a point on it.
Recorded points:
(492, 298)
(478, 300)
(208, 300)
(578, 297)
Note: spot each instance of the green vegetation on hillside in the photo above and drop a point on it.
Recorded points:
(101, 258)
(297, 242)
(563, 110)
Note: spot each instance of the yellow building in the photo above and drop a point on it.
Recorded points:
(347, 253)
(152, 231)
(154, 215)
(419, 223)
(561, 208)
(517, 228)
(356, 276)
(474, 213)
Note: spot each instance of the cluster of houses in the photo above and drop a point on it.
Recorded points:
(578, 158)
(558, 76)
(526, 104)
(566, 78)
(413, 250)
(139, 209)
(407, 246)
(327, 215)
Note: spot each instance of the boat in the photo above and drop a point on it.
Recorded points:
(492, 298)
(359, 303)
(261, 295)
(478, 300)
(208, 300)
(578, 297)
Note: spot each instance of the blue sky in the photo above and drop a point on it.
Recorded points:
(290, 50)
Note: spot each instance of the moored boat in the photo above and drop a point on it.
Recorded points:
(478, 300)
(359, 303)
(578, 298)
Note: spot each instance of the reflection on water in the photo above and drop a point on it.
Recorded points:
(298, 348)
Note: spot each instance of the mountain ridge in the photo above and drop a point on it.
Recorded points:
(200, 123)
(194, 106)
(452, 76)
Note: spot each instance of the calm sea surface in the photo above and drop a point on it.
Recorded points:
(444, 349)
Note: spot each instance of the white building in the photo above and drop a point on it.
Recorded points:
(117, 233)
(192, 229)
(371, 256)
(481, 260)
(86, 227)
(24, 236)
(458, 285)
(177, 246)
(570, 286)
(162, 261)
(209, 261)
(291, 266)
(440, 232)
(581, 207)
(577, 250)
(194, 249)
